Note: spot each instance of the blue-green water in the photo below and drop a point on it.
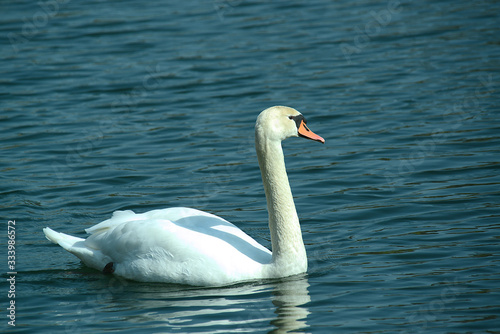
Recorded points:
(112, 105)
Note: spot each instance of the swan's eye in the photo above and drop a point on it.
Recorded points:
(290, 117)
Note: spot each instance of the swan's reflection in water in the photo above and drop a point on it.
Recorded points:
(278, 306)
(290, 297)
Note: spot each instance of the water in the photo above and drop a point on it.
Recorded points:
(126, 105)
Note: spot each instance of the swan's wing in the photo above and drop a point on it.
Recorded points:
(96, 250)
(176, 244)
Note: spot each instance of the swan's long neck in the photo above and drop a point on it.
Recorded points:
(286, 238)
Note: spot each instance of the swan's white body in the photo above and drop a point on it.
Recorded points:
(188, 246)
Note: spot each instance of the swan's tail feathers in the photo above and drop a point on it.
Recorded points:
(76, 246)
(64, 240)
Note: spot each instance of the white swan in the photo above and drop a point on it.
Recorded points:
(188, 246)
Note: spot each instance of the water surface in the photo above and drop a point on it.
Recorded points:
(126, 105)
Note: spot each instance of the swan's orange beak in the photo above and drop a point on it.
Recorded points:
(306, 133)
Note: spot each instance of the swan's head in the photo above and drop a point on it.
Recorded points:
(278, 123)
